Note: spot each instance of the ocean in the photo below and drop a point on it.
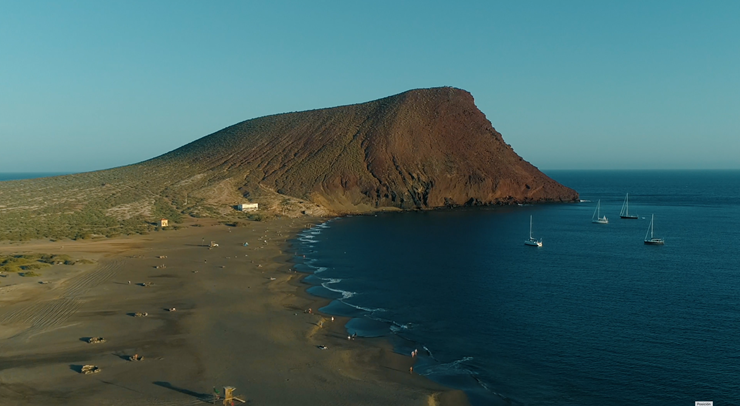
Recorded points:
(594, 317)
(28, 175)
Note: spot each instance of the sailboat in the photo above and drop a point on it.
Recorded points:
(652, 240)
(625, 213)
(596, 218)
(531, 241)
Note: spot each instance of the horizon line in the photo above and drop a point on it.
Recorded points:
(541, 169)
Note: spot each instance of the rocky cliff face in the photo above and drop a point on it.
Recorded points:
(420, 149)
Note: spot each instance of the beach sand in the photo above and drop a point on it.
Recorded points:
(239, 321)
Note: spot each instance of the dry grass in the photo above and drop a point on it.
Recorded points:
(27, 263)
(419, 149)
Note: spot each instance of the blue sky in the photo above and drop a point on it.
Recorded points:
(87, 85)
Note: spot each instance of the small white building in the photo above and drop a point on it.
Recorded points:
(164, 223)
(248, 207)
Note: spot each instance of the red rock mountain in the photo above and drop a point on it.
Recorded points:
(419, 149)
(423, 148)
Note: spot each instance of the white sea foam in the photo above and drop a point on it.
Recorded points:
(325, 224)
(484, 385)
(397, 328)
(367, 309)
(345, 293)
(454, 366)
(394, 325)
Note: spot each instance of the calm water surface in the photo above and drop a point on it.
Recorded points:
(594, 317)
(28, 175)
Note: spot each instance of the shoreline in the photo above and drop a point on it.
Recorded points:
(336, 333)
(389, 340)
(215, 332)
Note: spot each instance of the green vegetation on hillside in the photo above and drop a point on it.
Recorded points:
(108, 203)
(420, 149)
(30, 262)
(162, 209)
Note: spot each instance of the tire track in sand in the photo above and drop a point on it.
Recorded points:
(45, 315)
(18, 313)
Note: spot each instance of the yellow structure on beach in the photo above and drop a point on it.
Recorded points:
(229, 397)
(164, 223)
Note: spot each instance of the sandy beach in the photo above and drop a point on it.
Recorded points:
(231, 315)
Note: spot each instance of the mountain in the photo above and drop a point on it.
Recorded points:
(420, 149)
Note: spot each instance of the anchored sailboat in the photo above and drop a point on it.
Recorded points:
(532, 241)
(652, 240)
(596, 218)
(625, 213)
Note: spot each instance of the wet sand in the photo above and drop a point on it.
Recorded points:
(239, 321)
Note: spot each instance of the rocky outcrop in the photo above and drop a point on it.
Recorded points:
(420, 149)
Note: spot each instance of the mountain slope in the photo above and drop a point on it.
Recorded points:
(423, 148)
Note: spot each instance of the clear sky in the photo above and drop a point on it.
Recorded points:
(88, 85)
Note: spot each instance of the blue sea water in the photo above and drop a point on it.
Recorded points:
(594, 317)
(28, 175)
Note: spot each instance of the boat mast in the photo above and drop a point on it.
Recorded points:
(530, 227)
(650, 229)
(627, 205)
(596, 212)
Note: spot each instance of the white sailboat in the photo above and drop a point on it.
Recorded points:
(625, 213)
(652, 240)
(532, 241)
(597, 218)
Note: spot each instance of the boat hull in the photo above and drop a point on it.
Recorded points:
(532, 243)
(654, 241)
(629, 217)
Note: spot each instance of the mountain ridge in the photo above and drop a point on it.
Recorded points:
(420, 149)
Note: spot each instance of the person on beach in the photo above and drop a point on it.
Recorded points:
(411, 370)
